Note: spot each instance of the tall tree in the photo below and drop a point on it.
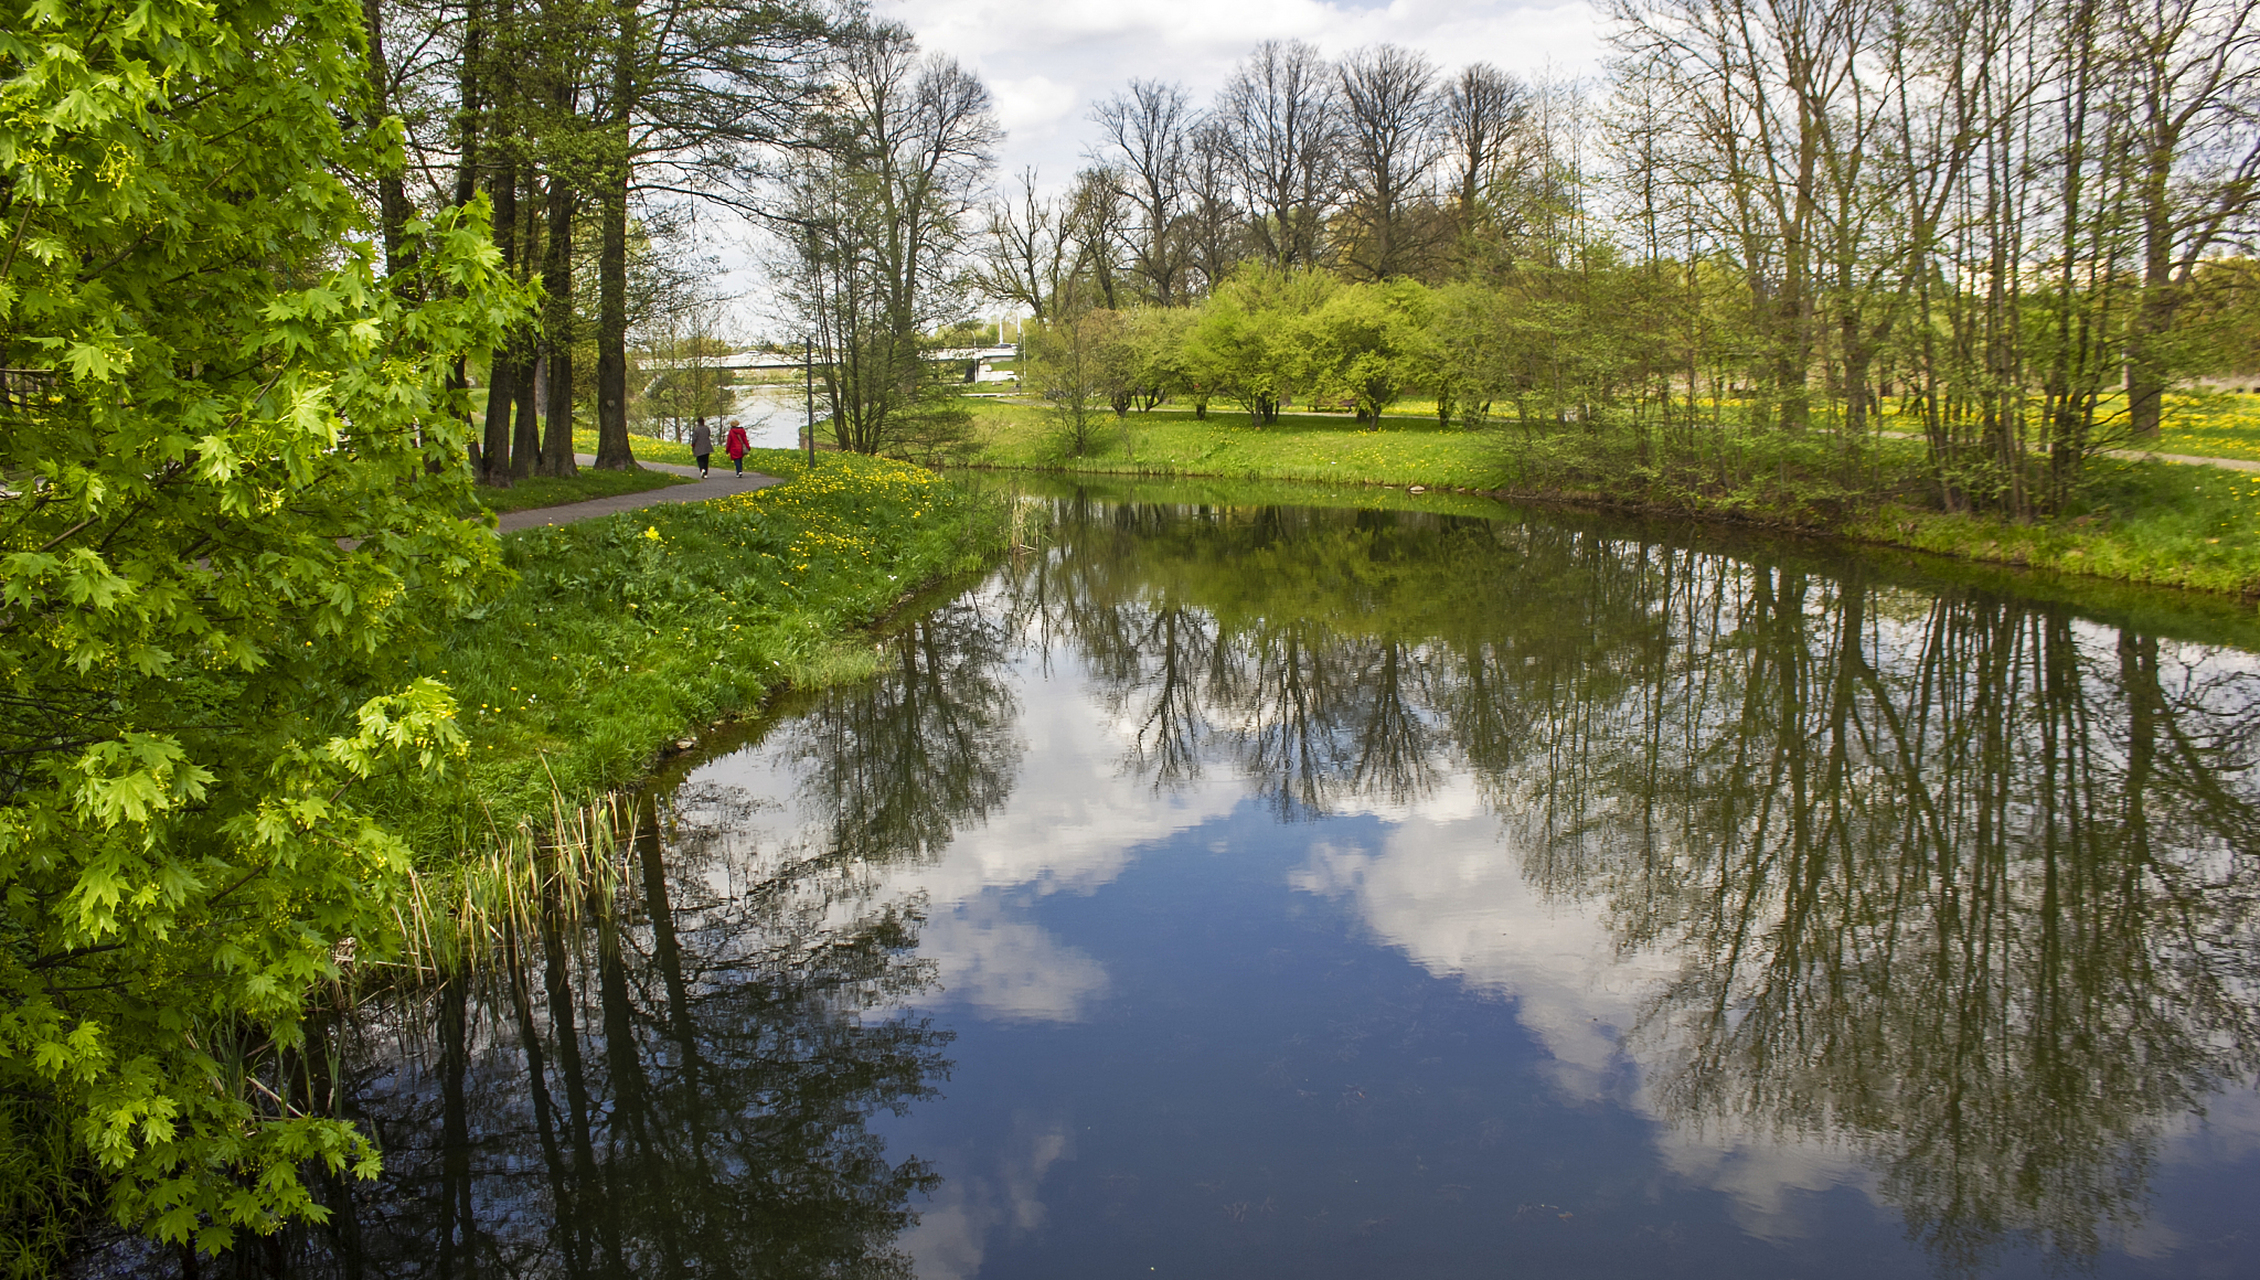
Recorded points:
(1280, 112)
(1391, 144)
(1485, 119)
(1215, 223)
(1097, 226)
(1146, 140)
(878, 211)
(2193, 72)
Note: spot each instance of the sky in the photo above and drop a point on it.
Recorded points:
(1046, 62)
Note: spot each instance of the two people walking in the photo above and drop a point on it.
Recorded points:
(735, 444)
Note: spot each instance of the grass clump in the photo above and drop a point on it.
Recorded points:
(623, 634)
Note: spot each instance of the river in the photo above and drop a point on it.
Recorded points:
(1259, 890)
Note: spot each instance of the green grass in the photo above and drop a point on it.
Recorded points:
(645, 448)
(555, 491)
(1329, 448)
(625, 633)
(2194, 424)
(2161, 523)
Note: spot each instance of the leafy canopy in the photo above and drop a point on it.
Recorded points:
(229, 486)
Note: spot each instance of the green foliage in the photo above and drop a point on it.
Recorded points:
(231, 481)
(1248, 343)
(1369, 343)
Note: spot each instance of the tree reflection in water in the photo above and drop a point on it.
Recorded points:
(679, 1087)
(1964, 881)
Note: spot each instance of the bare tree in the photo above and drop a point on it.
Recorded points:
(1280, 109)
(1025, 250)
(879, 209)
(1213, 225)
(1146, 141)
(1097, 226)
(1391, 144)
(2193, 68)
(1486, 124)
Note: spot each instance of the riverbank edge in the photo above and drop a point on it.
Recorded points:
(800, 632)
(2074, 548)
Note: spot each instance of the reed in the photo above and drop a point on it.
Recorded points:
(572, 861)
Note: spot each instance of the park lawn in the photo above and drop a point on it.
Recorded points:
(2216, 425)
(623, 634)
(1329, 448)
(556, 491)
(648, 448)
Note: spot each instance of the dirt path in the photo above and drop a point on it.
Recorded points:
(720, 482)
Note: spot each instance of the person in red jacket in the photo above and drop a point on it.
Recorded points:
(734, 444)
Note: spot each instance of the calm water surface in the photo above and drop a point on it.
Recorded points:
(1290, 892)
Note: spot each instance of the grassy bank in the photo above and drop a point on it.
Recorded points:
(2141, 521)
(624, 634)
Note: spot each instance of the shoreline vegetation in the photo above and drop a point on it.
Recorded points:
(2136, 520)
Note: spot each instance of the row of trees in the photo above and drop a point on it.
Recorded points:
(1379, 166)
(2007, 216)
(590, 127)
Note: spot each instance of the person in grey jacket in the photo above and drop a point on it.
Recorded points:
(702, 444)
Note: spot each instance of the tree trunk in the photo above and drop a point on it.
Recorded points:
(557, 332)
(525, 440)
(612, 451)
(503, 372)
(2153, 317)
(392, 194)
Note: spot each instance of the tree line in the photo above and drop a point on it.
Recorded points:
(591, 129)
(2006, 227)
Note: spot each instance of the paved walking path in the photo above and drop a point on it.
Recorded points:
(719, 483)
(2232, 464)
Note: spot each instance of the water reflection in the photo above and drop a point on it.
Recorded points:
(1961, 883)
(1825, 879)
(681, 1086)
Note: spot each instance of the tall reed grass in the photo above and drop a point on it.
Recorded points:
(459, 915)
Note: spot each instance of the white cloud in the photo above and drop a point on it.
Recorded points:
(1075, 821)
(953, 1232)
(1009, 969)
(1445, 890)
